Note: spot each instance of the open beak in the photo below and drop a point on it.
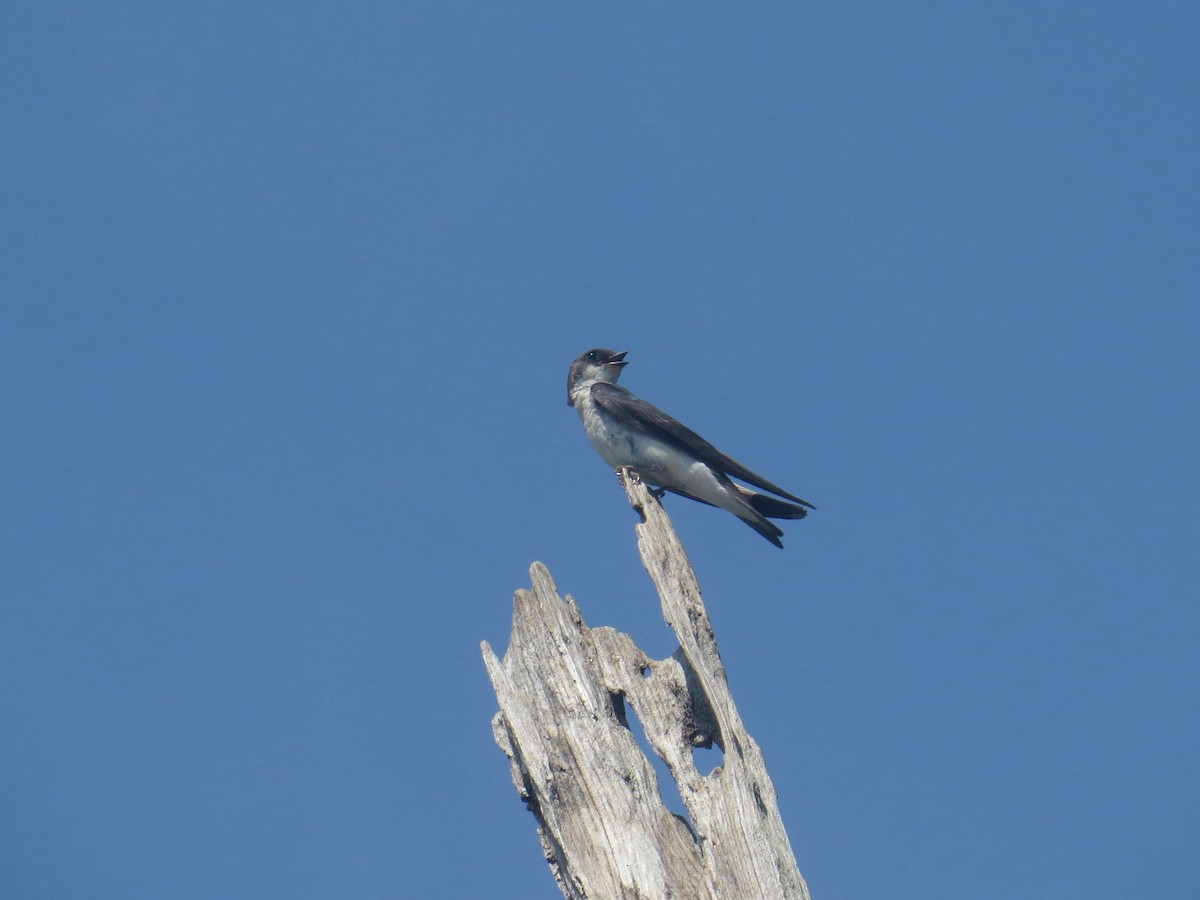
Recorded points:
(618, 359)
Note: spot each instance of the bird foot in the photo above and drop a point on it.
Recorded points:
(628, 474)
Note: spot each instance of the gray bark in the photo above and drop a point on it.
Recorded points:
(564, 689)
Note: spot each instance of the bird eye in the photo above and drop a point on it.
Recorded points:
(592, 356)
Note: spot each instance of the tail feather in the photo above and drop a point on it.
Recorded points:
(772, 533)
(757, 509)
(771, 507)
(749, 514)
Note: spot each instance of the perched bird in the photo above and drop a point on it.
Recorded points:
(628, 431)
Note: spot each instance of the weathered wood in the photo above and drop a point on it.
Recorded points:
(564, 689)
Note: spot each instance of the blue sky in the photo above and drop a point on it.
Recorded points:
(290, 291)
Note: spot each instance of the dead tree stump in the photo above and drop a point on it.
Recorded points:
(564, 689)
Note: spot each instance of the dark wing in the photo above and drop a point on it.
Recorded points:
(639, 414)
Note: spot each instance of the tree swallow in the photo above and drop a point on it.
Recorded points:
(628, 431)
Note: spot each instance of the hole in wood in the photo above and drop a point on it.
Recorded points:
(618, 707)
(707, 759)
(668, 790)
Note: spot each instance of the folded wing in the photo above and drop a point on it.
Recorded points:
(639, 414)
